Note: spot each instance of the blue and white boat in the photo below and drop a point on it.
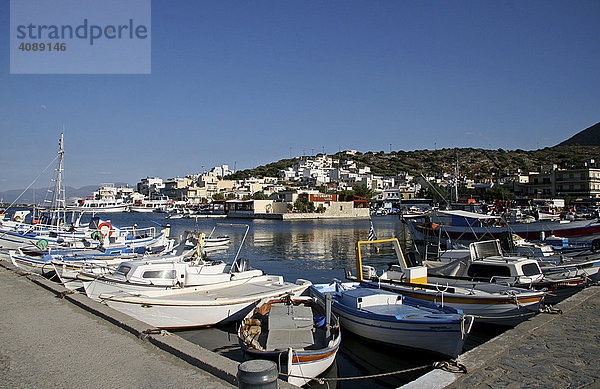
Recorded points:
(50, 228)
(394, 319)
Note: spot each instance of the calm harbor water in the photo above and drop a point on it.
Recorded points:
(317, 250)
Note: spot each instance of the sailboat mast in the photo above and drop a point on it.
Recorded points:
(59, 202)
(456, 179)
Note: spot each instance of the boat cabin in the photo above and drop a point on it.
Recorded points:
(171, 273)
(486, 262)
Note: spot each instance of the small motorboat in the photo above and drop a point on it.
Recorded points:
(296, 332)
(393, 319)
(491, 303)
(204, 305)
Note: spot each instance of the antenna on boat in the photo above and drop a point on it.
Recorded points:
(234, 263)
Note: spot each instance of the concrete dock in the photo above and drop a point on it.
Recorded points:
(50, 342)
(547, 351)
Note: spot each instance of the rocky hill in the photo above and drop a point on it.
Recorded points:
(588, 137)
(475, 163)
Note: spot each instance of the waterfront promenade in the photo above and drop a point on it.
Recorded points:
(49, 342)
(547, 351)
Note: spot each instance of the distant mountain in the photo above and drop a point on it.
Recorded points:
(588, 137)
(38, 195)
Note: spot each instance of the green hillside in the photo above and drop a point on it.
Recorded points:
(475, 163)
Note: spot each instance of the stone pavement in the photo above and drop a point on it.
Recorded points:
(50, 342)
(547, 351)
(559, 353)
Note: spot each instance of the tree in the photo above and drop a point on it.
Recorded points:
(302, 204)
(218, 196)
(259, 196)
(363, 191)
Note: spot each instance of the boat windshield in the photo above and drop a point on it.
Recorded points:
(481, 250)
(123, 270)
(480, 270)
(531, 269)
(165, 274)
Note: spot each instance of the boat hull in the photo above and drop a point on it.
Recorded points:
(441, 333)
(498, 309)
(529, 231)
(201, 306)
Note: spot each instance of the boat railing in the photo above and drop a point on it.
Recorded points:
(46, 228)
(134, 232)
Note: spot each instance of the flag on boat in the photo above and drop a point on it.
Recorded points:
(371, 231)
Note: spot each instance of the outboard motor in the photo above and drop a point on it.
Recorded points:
(242, 264)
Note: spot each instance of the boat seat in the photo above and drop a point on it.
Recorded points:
(290, 326)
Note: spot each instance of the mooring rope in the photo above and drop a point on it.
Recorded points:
(452, 366)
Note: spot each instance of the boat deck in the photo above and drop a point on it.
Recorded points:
(250, 289)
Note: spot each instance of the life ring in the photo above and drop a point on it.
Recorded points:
(110, 228)
(42, 244)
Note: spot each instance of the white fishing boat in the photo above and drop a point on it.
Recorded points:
(487, 302)
(104, 205)
(298, 333)
(201, 306)
(150, 205)
(162, 273)
(71, 260)
(460, 225)
(394, 319)
(188, 266)
(485, 261)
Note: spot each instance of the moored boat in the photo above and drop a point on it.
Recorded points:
(296, 332)
(485, 261)
(201, 306)
(471, 226)
(391, 318)
(487, 302)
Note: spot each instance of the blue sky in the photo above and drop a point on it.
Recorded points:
(242, 82)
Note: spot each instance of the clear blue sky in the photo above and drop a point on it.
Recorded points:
(242, 82)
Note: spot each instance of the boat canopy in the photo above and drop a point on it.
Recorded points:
(468, 215)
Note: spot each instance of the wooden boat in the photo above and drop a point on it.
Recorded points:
(295, 333)
(487, 302)
(201, 306)
(398, 320)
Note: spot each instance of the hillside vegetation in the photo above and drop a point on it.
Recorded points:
(475, 163)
